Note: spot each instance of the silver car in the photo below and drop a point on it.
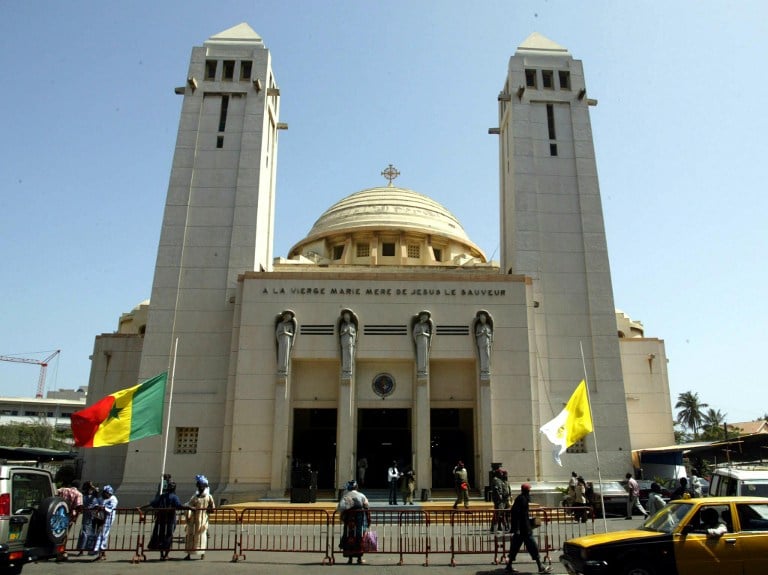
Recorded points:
(33, 521)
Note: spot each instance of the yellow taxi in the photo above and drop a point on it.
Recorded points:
(703, 536)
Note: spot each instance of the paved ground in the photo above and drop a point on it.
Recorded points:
(219, 563)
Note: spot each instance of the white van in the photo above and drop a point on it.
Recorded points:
(749, 480)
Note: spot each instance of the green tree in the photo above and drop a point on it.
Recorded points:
(712, 425)
(38, 434)
(690, 412)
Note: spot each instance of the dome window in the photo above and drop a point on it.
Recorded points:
(363, 250)
(338, 251)
(414, 251)
(388, 249)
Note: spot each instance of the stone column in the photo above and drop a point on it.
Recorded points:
(484, 429)
(346, 432)
(421, 435)
(280, 453)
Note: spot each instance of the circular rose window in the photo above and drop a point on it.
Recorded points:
(383, 384)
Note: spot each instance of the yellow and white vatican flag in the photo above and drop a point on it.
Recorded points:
(571, 424)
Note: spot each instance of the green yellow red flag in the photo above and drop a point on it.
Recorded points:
(123, 416)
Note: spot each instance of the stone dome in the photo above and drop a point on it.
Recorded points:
(388, 209)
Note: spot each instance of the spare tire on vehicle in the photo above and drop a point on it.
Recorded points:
(50, 521)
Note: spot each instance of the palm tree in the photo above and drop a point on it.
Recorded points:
(712, 425)
(691, 411)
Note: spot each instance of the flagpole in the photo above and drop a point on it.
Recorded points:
(168, 418)
(594, 435)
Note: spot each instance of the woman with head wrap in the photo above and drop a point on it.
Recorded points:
(200, 504)
(355, 519)
(166, 505)
(109, 505)
(87, 539)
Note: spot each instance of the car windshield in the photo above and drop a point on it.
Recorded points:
(668, 518)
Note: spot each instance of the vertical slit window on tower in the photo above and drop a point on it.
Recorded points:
(565, 79)
(219, 141)
(223, 113)
(551, 121)
(547, 79)
(530, 78)
(551, 129)
(210, 69)
(228, 73)
(245, 70)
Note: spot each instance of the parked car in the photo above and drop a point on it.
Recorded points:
(675, 541)
(33, 521)
(614, 495)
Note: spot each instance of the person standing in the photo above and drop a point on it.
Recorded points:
(165, 520)
(572, 483)
(355, 519)
(362, 467)
(580, 500)
(655, 501)
(633, 499)
(409, 486)
(87, 538)
(522, 532)
(109, 505)
(200, 505)
(393, 476)
(500, 495)
(461, 484)
(682, 491)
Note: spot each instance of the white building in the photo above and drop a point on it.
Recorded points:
(246, 409)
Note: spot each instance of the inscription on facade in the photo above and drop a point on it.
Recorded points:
(388, 292)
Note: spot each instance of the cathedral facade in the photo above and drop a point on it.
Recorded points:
(385, 334)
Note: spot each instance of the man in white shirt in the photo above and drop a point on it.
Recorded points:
(393, 476)
(633, 490)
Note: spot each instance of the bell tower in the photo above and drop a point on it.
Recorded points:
(552, 231)
(218, 223)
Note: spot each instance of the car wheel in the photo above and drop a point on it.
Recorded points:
(53, 517)
(638, 568)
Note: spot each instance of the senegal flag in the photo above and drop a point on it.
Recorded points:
(124, 416)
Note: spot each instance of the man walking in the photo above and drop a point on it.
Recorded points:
(633, 500)
(523, 531)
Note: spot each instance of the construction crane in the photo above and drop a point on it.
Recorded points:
(43, 367)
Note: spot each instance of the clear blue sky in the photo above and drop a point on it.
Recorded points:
(88, 120)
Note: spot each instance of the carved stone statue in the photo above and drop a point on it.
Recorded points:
(423, 329)
(484, 340)
(347, 341)
(285, 331)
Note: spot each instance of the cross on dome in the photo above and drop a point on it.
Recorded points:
(390, 174)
